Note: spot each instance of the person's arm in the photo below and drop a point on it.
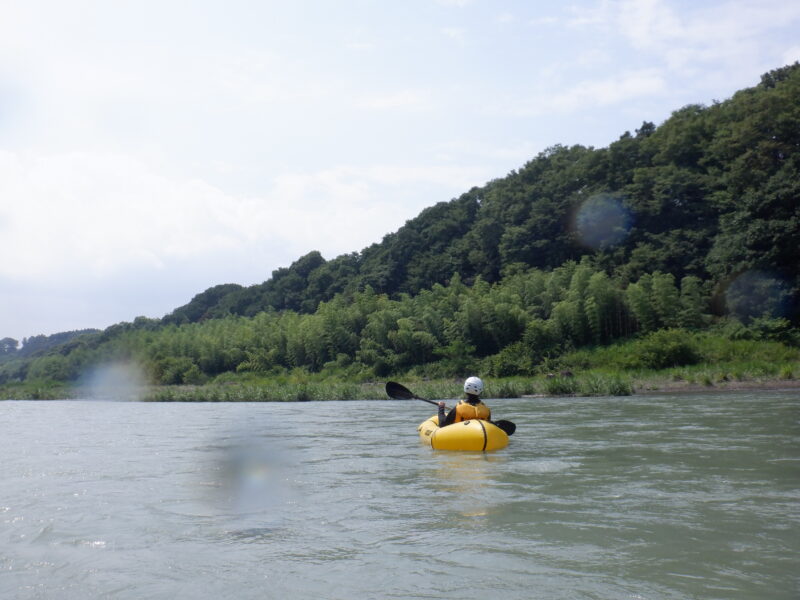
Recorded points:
(449, 419)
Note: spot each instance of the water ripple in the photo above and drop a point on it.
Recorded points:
(644, 497)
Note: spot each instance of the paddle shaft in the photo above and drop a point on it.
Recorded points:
(428, 401)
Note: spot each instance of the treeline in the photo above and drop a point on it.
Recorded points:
(712, 192)
(37, 344)
(518, 326)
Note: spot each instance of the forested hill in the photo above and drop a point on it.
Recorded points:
(669, 228)
(712, 192)
(39, 344)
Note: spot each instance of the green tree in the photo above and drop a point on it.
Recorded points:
(8, 346)
(665, 299)
(693, 303)
(639, 296)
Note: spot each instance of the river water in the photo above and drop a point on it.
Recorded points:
(652, 497)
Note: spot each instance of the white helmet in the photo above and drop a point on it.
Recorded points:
(473, 385)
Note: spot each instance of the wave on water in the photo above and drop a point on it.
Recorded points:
(553, 466)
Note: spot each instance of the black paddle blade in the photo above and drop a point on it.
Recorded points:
(398, 392)
(401, 392)
(506, 426)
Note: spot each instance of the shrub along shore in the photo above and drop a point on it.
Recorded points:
(591, 383)
(661, 362)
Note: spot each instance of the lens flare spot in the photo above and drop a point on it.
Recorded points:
(119, 381)
(249, 476)
(754, 294)
(602, 221)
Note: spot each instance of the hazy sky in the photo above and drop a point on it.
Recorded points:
(150, 150)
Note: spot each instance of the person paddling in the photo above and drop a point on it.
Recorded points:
(468, 409)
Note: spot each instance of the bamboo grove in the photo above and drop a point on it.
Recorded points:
(517, 326)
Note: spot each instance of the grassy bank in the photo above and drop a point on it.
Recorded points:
(590, 383)
(696, 362)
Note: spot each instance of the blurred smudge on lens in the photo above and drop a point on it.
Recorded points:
(602, 221)
(753, 294)
(115, 382)
(249, 474)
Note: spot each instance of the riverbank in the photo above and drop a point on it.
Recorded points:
(663, 361)
(698, 378)
(686, 387)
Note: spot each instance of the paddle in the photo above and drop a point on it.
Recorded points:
(401, 392)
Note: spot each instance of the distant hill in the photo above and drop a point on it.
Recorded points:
(38, 344)
(660, 234)
(713, 192)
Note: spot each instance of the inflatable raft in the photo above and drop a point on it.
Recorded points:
(467, 435)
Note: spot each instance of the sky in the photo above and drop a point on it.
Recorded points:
(152, 149)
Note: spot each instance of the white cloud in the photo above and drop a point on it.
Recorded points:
(80, 215)
(792, 55)
(730, 34)
(360, 46)
(456, 3)
(458, 34)
(649, 23)
(593, 58)
(512, 155)
(610, 91)
(405, 99)
(353, 207)
(538, 21)
(598, 15)
(592, 94)
(87, 215)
